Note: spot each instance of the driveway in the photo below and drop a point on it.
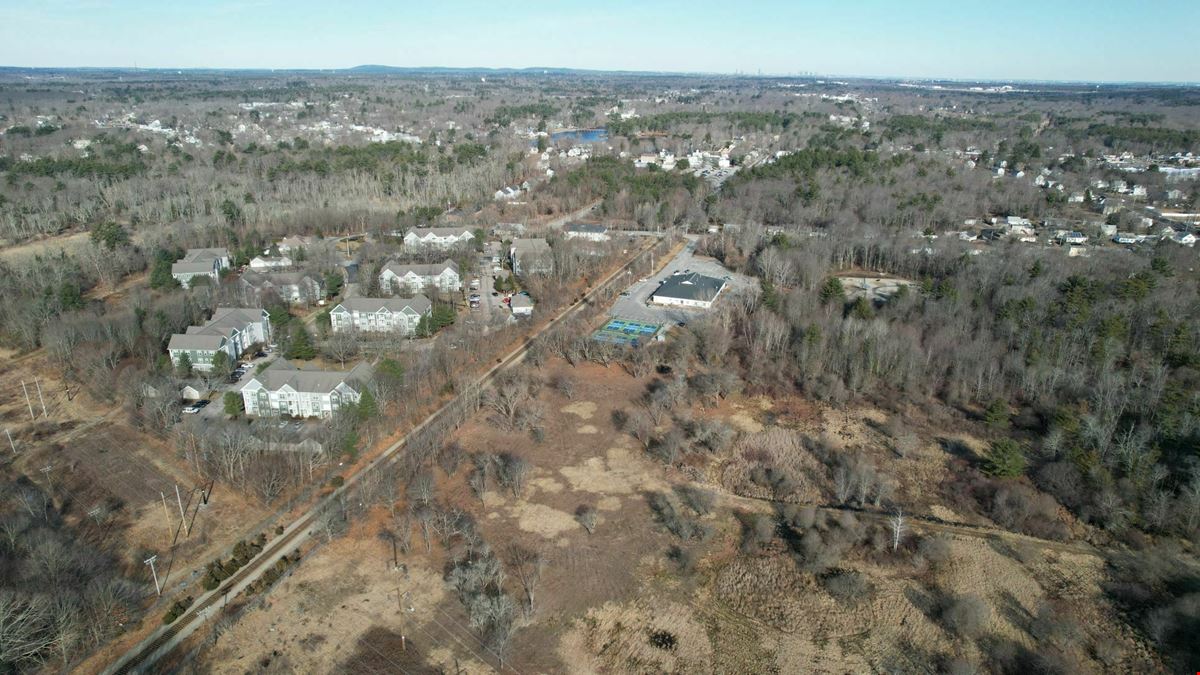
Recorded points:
(216, 409)
(633, 304)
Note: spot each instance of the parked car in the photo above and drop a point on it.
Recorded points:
(195, 407)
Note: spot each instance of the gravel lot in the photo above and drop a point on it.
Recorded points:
(633, 306)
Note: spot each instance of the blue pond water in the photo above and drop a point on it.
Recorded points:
(580, 136)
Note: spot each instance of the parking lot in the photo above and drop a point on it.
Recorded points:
(632, 304)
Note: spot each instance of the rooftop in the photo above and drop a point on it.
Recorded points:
(586, 228)
(418, 303)
(283, 373)
(690, 286)
(400, 269)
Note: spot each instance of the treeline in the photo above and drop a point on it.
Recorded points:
(1156, 139)
(930, 128)
(745, 120)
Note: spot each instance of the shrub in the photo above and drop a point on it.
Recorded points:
(177, 609)
(586, 515)
(337, 481)
(848, 587)
(697, 498)
(935, 550)
(966, 615)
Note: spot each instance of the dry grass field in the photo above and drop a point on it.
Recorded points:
(615, 602)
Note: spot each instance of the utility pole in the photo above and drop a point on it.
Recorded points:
(166, 513)
(10, 441)
(37, 382)
(150, 562)
(182, 515)
(46, 470)
(26, 390)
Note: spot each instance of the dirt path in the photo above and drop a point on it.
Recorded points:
(930, 524)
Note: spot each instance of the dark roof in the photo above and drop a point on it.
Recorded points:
(588, 228)
(690, 286)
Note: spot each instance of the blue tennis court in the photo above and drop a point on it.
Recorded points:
(627, 332)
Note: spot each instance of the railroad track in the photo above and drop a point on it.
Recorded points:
(160, 643)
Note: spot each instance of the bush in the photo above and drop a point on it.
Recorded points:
(685, 559)
(697, 498)
(757, 531)
(177, 609)
(935, 550)
(848, 587)
(337, 481)
(966, 615)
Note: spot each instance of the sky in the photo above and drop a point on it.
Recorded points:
(1073, 40)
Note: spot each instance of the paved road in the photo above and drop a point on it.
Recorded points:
(634, 305)
(159, 643)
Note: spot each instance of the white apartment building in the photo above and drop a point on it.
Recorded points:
(283, 389)
(379, 315)
(400, 277)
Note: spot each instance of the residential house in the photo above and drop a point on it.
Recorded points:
(438, 237)
(531, 256)
(379, 315)
(521, 305)
(231, 330)
(589, 231)
(1125, 238)
(297, 288)
(191, 392)
(262, 262)
(294, 243)
(688, 289)
(200, 262)
(284, 389)
(398, 277)
(1074, 238)
(1075, 198)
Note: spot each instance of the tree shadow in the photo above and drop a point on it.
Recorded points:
(1012, 609)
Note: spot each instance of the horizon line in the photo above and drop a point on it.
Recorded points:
(603, 71)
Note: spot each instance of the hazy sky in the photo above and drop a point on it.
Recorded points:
(1104, 40)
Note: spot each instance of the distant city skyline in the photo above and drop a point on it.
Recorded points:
(1021, 40)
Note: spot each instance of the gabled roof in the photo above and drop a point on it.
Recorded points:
(224, 323)
(530, 246)
(520, 301)
(690, 286)
(432, 270)
(282, 373)
(423, 232)
(258, 279)
(418, 303)
(586, 228)
(194, 267)
(204, 254)
(198, 341)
